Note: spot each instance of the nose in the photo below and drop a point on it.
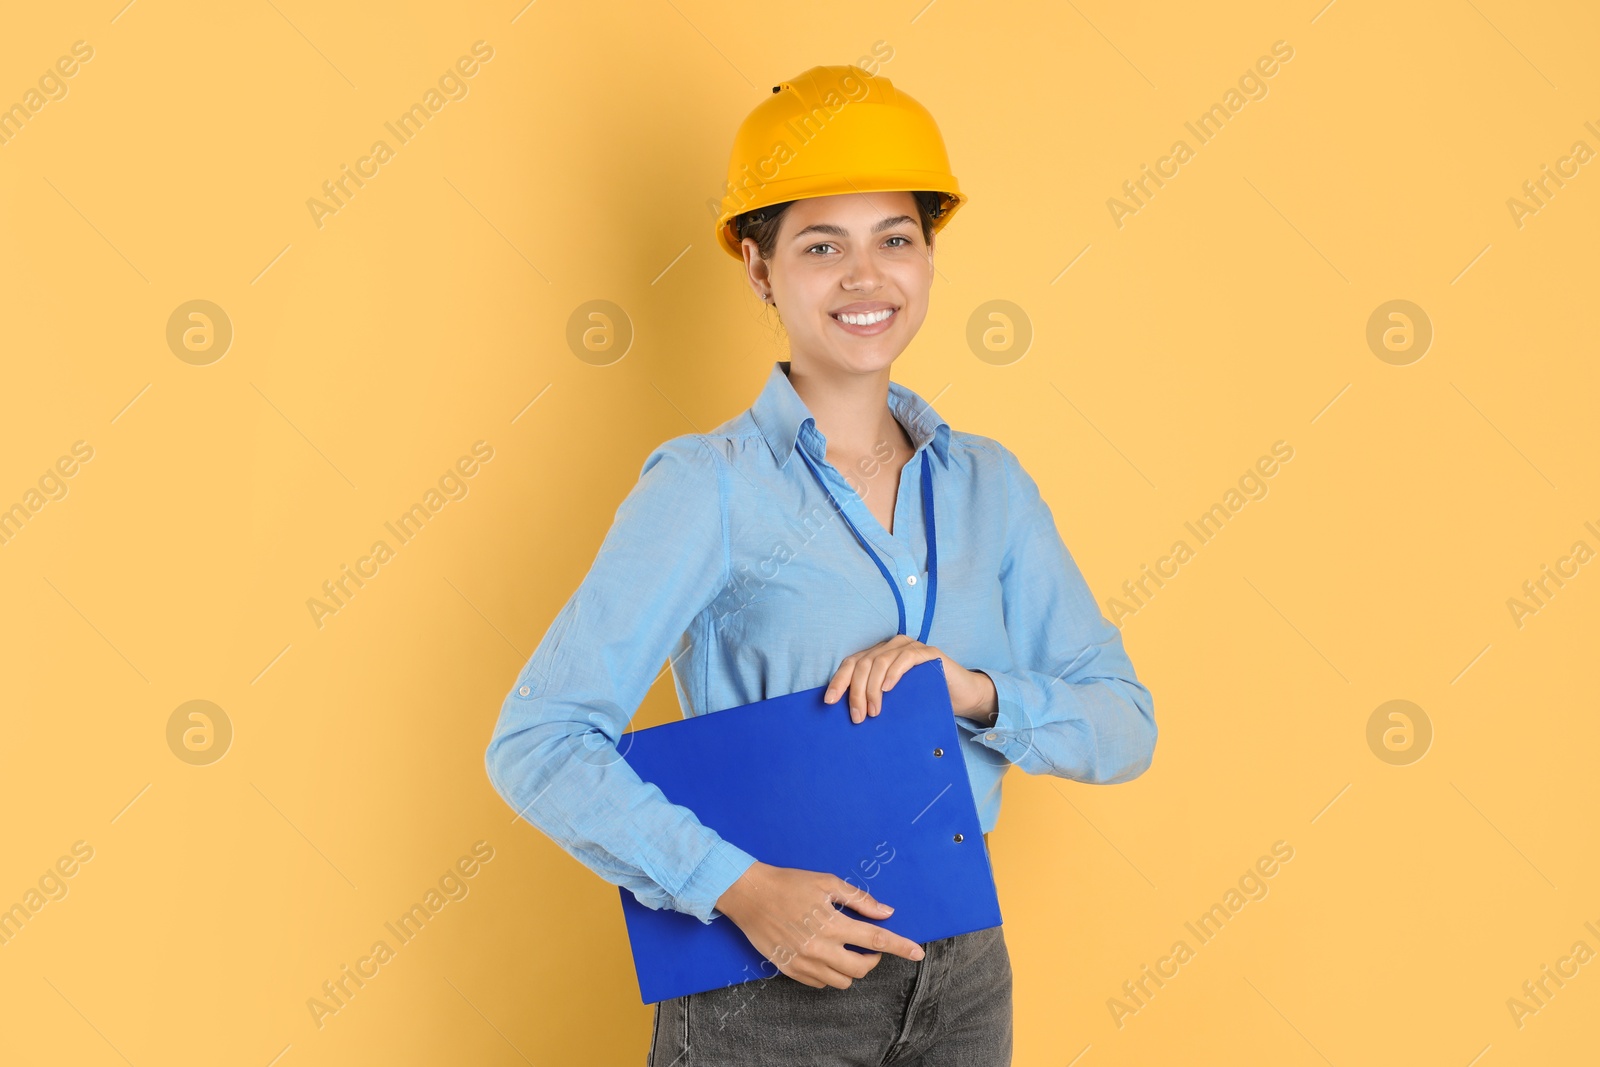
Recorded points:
(861, 271)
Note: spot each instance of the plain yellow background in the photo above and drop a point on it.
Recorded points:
(1168, 354)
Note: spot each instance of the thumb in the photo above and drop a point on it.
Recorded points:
(859, 899)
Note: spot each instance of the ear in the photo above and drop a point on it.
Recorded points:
(757, 271)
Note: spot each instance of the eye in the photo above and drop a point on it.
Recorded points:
(900, 237)
(824, 244)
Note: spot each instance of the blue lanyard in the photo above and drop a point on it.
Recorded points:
(933, 554)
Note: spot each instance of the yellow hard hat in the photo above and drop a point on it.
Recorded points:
(834, 130)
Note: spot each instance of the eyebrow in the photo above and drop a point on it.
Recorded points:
(839, 231)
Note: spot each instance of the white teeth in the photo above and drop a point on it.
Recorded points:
(867, 319)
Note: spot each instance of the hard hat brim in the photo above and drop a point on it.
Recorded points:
(813, 186)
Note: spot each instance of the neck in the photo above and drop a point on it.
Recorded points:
(851, 410)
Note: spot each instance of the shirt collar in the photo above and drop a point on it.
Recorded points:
(780, 414)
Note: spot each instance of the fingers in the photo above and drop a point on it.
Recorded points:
(879, 940)
(830, 963)
(876, 670)
(837, 966)
(818, 976)
(865, 935)
(866, 675)
(857, 899)
(854, 676)
(821, 959)
(840, 680)
(850, 678)
(904, 661)
(853, 964)
(888, 668)
(858, 691)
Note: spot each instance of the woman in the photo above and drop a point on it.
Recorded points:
(729, 558)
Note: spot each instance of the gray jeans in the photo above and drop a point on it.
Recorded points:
(952, 1008)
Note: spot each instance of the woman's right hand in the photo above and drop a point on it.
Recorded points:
(788, 915)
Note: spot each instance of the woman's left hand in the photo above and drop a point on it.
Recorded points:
(871, 672)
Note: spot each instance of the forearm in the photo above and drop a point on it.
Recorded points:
(985, 706)
(1099, 730)
(569, 782)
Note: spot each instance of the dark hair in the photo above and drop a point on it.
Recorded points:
(762, 224)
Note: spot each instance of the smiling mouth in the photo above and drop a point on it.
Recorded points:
(865, 318)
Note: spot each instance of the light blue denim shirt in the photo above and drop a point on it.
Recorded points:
(728, 559)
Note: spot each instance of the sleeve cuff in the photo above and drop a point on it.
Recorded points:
(722, 867)
(1003, 736)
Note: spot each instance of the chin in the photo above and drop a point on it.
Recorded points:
(866, 360)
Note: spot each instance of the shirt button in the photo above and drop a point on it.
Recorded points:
(911, 579)
(525, 691)
(988, 737)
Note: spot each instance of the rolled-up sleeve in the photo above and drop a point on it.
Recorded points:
(1073, 707)
(554, 756)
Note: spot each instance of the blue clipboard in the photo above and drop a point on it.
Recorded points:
(884, 804)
